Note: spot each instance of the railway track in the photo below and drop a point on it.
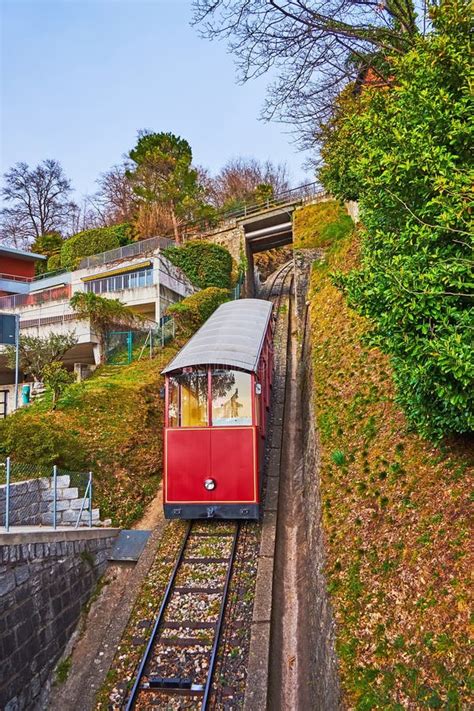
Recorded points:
(177, 667)
(179, 662)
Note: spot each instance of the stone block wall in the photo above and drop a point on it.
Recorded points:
(32, 503)
(43, 587)
(324, 659)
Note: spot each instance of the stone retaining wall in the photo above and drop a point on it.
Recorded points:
(31, 503)
(45, 579)
(324, 662)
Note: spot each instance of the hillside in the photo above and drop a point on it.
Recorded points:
(111, 424)
(395, 519)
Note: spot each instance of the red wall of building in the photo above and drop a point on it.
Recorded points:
(17, 267)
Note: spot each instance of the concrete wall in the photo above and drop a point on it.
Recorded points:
(32, 503)
(324, 662)
(45, 579)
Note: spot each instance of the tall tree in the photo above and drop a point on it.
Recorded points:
(313, 46)
(247, 180)
(115, 201)
(162, 177)
(37, 199)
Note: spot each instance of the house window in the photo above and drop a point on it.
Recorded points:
(130, 280)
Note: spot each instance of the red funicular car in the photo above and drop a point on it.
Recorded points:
(217, 400)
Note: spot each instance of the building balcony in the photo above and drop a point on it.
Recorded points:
(27, 300)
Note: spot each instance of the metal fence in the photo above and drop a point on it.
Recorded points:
(123, 347)
(36, 298)
(129, 250)
(32, 495)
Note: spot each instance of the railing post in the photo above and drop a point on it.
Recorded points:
(7, 495)
(55, 494)
(90, 499)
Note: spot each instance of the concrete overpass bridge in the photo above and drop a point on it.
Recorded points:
(263, 226)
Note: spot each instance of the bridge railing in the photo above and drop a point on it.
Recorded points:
(302, 193)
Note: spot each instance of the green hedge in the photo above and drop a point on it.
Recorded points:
(193, 311)
(31, 436)
(408, 154)
(54, 263)
(94, 241)
(205, 264)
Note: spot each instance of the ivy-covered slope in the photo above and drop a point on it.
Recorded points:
(112, 424)
(395, 515)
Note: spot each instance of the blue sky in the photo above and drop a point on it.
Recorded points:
(80, 77)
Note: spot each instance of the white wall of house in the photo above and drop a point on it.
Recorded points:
(168, 284)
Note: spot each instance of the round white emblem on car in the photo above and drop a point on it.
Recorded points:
(209, 484)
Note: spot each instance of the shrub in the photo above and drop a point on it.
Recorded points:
(54, 263)
(94, 241)
(193, 311)
(410, 152)
(205, 264)
(31, 437)
(320, 225)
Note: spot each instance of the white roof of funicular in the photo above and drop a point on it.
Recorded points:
(233, 336)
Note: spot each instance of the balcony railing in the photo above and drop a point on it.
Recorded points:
(130, 250)
(36, 298)
(16, 277)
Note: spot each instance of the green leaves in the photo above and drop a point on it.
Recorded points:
(93, 241)
(403, 152)
(193, 311)
(204, 263)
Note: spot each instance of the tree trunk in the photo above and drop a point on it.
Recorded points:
(177, 236)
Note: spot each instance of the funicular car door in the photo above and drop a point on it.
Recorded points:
(187, 464)
(233, 464)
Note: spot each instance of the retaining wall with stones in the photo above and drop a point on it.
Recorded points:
(324, 661)
(45, 579)
(32, 502)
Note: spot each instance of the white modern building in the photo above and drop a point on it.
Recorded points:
(138, 274)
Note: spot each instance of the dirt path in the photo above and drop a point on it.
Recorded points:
(290, 646)
(94, 646)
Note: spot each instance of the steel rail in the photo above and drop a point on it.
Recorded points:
(220, 620)
(154, 636)
(159, 618)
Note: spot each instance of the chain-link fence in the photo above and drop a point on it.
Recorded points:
(123, 347)
(31, 495)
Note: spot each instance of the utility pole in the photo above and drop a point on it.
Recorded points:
(17, 357)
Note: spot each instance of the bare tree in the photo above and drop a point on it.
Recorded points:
(240, 178)
(314, 46)
(14, 232)
(115, 201)
(37, 200)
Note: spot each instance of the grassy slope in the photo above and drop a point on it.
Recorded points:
(395, 518)
(112, 424)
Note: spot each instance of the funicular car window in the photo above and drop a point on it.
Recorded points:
(187, 400)
(231, 398)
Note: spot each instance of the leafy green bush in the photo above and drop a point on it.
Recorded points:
(320, 225)
(193, 311)
(94, 241)
(409, 150)
(28, 436)
(205, 264)
(54, 263)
